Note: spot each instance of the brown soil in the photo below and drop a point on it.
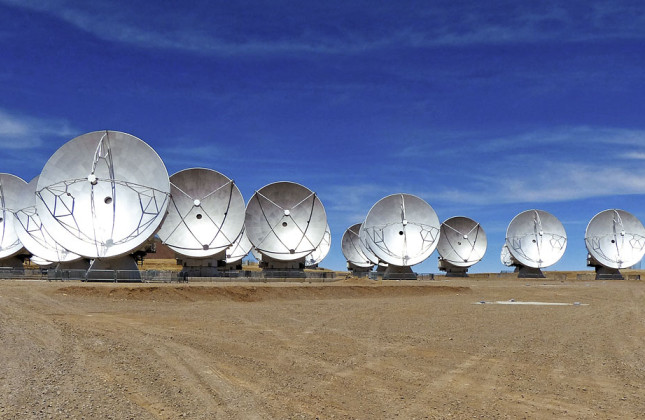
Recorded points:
(350, 349)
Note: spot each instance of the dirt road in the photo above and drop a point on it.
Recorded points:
(353, 349)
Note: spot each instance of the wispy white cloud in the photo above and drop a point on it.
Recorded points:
(575, 181)
(549, 182)
(633, 155)
(27, 132)
(429, 26)
(188, 153)
(547, 165)
(112, 22)
(568, 136)
(565, 137)
(351, 202)
(349, 197)
(483, 24)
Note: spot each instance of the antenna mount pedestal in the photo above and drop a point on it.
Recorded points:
(114, 269)
(358, 271)
(233, 266)
(606, 273)
(452, 270)
(272, 268)
(603, 272)
(201, 267)
(525, 272)
(397, 272)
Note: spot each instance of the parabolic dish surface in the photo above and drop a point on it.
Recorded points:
(256, 254)
(365, 247)
(536, 238)
(402, 229)
(11, 189)
(615, 238)
(239, 249)
(34, 235)
(205, 215)
(462, 242)
(505, 256)
(350, 245)
(285, 221)
(321, 250)
(103, 194)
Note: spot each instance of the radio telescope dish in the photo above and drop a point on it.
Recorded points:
(33, 234)
(506, 257)
(536, 239)
(402, 230)
(239, 249)
(350, 245)
(11, 189)
(321, 250)
(615, 239)
(462, 242)
(103, 194)
(285, 221)
(205, 215)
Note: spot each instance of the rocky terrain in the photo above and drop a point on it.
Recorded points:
(353, 349)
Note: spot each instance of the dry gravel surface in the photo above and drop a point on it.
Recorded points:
(353, 349)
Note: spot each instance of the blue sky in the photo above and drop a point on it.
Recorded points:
(484, 109)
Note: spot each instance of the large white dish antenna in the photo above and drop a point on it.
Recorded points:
(33, 234)
(505, 256)
(462, 242)
(321, 250)
(239, 249)
(350, 245)
(285, 221)
(536, 239)
(11, 189)
(205, 215)
(103, 194)
(615, 238)
(402, 229)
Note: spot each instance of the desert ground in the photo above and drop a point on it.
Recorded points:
(352, 349)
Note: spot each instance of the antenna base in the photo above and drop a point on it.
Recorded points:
(525, 272)
(397, 272)
(272, 268)
(201, 267)
(606, 273)
(603, 272)
(358, 271)
(452, 270)
(115, 269)
(234, 266)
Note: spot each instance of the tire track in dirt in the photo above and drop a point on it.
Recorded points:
(192, 370)
(47, 376)
(301, 354)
